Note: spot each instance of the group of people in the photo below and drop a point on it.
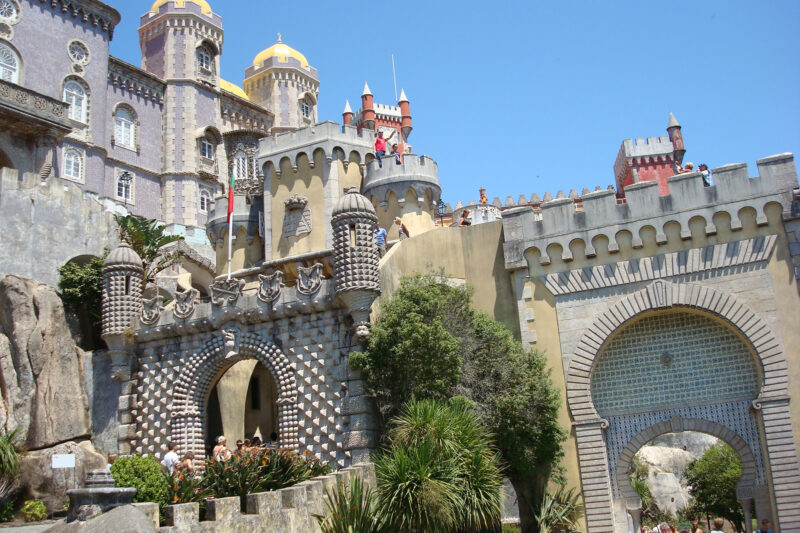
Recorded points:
(173, 462)
(717, 525)
(689, 168)
(380, 149)
(380, 235)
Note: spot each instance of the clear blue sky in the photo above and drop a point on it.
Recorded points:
(524, 97)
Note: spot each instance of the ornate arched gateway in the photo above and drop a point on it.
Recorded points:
(203, 369)
(754, 419)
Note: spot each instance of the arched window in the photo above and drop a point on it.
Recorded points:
(73, 164)
(240, 165)
(204, 58)
(125, 128)
(205, 200)
(207, 147)
(9, 64)
(76, 96)
(125, 185)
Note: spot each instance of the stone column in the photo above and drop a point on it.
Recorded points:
(782, 462)
(45, 146)
(748, 522)
(595, 478)
(636, 515)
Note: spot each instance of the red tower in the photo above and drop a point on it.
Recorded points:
(367, 109)
(651, 159)
(385, 118)
(347, 114)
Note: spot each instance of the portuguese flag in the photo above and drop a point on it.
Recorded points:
(230, 198)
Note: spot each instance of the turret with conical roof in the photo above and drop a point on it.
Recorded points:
(347, 114)
(123, 273)
(676, 137)
(282, 80)
(367, 109)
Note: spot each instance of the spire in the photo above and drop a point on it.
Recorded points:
(366, 90)
(279, 38)
(347, 107)
(672, 121)
(403, 97)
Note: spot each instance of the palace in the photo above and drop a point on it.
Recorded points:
(625, 289)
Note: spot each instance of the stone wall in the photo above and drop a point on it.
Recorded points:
(47, 224)
(288, 510)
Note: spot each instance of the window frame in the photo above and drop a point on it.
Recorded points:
(17, 68)
(208, 148)
(205, 194)
(241, 162)
(84, 107)
(205, 59)
(76, 156)
(131, 122)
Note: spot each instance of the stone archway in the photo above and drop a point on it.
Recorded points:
(745, 487)
(772, 402)
(203, 370)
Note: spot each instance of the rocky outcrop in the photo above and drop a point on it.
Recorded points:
(40, 481)
(41, 374)
(127, 519)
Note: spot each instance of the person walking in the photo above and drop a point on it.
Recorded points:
(765, 527)
(464, 221)
(187, 462)
(717, 525)
(402, 230)
(221, 451)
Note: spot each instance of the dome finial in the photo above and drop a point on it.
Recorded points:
(279, 37)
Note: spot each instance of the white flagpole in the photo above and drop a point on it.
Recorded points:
(394, 77)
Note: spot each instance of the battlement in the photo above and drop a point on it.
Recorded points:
(326, 136)
(289, 510)
(642, 150)
(562, 223)
(418, 173)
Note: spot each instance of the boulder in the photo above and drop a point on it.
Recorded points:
(126, 519)
(42, 375)
(663, 459)
(691, 441)
(670, 496)
(40, 480)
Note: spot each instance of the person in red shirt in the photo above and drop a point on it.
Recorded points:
(380, 146)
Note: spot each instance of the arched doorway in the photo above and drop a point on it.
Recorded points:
(654, 360)
(241, 352)
(242, 404)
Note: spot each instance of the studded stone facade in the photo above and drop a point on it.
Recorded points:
(122, 289)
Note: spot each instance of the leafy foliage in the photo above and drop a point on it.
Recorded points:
(34, 510)
(10, 453)
(440, 473)
(351, 509)
(259, 471)
(559, 511)
(147, 237)
(7, 511)
(430, 343)
(712, 480)
(81, 286)
(186, 487)
(145, 474)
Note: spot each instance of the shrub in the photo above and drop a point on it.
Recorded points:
(351, 509)
(7, 511)
(259, 471)
(511, 528)
(440, 473)
(145, 474)
(185, 487)
(34, 510)
(559, 511)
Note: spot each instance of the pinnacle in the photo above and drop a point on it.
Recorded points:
(347, 107)
(672, 121)
(366, 90)
(403, 97)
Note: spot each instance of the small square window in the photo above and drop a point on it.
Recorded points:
(207, 149)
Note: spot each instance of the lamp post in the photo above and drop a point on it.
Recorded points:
(125, 178)
(441, 207)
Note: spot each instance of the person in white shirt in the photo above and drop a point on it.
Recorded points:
(171, 457)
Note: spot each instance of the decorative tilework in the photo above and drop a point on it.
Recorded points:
(672, 359)
(736, 416)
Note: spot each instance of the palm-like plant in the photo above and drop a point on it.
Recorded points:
(351, 509)
(10, 454)
(559, 511)
(147, 237)
(440, 473)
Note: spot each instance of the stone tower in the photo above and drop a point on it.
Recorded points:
(355, 257)
(181, 42)
(281, 80)
(123, 273)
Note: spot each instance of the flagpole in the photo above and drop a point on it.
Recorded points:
(394, 78)
(230, 244)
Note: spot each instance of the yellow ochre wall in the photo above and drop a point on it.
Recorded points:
(243, 254)
(417, 219)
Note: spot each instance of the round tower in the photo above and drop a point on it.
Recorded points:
(355, 268)
(676, 137)
(405, 110)
(123, 273)
(347, 114)
(281, 80)
(247, 249)
(367, 109)
(410, 191)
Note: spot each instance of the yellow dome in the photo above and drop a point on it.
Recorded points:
(282, 52)
(180, 3)
(232, 88)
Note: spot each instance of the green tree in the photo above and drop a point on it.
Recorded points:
(510, 386)
(712, 480)
(440, 473)
(81, 287)
(147, 237)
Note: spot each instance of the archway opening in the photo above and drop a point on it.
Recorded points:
(5, 161)
(242, 404)
(688, 476)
